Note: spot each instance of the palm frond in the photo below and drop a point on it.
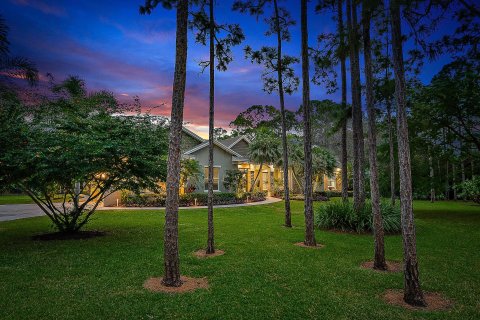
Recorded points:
(19, 67)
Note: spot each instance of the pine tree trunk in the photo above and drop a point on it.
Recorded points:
(286, 189)
(307, 131)
(447, 182)
(211, 125)
(462, 164)
(391, 153)
(454, 180)
(379, 253)
(256, 177)
(412, 292)
(432, 189)
(358, 195)
(171, 277)
(343, 69)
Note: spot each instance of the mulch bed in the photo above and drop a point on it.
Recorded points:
(202, 253)
(302, 244)
(435, 301)
(392, 266)
(188, 285)
(79, 235)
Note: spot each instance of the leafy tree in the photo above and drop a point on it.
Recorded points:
(190, 173)
(84, 147)
(220, 134)
(307, 130)
(412, 292)
(264, 150)
(275, 62)
(247, 122)
(171, 277)
(234, 180)
(470, 189)
(221, 50)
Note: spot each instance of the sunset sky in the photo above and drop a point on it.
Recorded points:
(113, 47)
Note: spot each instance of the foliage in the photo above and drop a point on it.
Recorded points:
(470, 189)
(339, 215)
(190, 174)
(130, 199)
(85, 146)
(234, 180)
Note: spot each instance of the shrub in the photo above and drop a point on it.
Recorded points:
(317, 196)
(186, 200)
(470, 189)
(341, 216)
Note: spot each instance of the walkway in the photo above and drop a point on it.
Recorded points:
(21, 211)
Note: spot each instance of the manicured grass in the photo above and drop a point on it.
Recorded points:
(262, 274)
(15, 199)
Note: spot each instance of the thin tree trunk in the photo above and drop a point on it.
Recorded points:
(391, 153)
(286, 189)
(307, 131)
(171, 276)
(432, 188)
(472, 168)
(357, 136)
(412, 292)
(359, 117)
(343, 69)
(462, 164)
(379, 252)
(454, 180)
(447, 182)
(256, 178)
(211, 124)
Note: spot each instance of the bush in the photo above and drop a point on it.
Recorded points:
(341, 216)
(186, 200)
(470, 189)
(317, 196)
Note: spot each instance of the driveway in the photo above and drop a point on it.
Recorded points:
(21, 211)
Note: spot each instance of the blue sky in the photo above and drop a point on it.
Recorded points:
(111, 46)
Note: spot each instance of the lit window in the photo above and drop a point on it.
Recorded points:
(216, 175)
(332, 183)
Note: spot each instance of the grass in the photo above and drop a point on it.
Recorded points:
(262, 274)
(15, 199)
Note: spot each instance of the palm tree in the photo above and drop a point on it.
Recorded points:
(171, 277)
(17, 67)
(307, 131)
(379, 252)
(264, 150)
(412, 292)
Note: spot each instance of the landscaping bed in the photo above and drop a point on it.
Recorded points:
(191, 199)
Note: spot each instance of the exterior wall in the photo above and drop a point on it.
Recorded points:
(188, 142)
(220, 158)
(241, 147)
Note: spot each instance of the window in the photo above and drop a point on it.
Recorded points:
(216, 176)
(332, 183)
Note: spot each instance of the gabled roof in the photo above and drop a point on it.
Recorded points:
(192, 134)
(231, 142)
(215, 142)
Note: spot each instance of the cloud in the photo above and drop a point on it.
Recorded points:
(42, 6)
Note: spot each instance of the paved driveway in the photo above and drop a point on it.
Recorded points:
(19, 211)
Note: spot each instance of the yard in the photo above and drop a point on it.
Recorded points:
(262, 274)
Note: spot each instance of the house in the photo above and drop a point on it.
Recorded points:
(232, 154)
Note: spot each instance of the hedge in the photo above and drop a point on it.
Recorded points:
(187, 200)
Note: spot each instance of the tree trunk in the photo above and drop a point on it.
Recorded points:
(447, 182)
(171, 277)
(391, 153)
(432, 188)
(307, 131)
(379, 253)
(211, 126)
(358, 195)
(462, 164)
(343, 69)
(412, 292)
(256, 178)
(472, 168)
(454, 180)
(286, 189)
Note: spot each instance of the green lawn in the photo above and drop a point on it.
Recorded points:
(262, 274)
(15, 199)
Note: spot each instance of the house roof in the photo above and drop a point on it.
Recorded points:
(231, 142)
(218, 144)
